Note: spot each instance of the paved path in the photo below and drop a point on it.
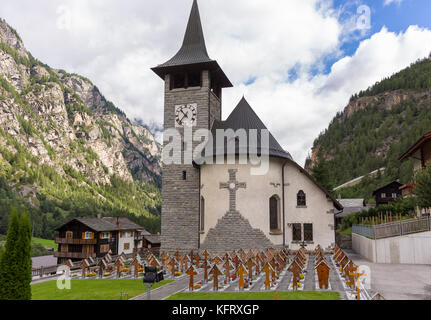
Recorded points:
(169, 289)
(398, 281)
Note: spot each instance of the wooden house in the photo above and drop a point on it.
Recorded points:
(84, 238)
(388, 193)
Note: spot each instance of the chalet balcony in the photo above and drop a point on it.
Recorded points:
(74, 255)
(75, 241)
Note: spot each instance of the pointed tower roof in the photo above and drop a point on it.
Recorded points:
(193, 52)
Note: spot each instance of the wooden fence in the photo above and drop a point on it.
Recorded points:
(393, 229)
(44, 271)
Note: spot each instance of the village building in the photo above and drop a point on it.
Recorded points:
(350, 206)
(420, 152)
(83, 238)
(222, 206)
(388, 193)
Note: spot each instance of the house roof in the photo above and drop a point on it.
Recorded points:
(244, 117)
(193, 52)
(153, 239)
(106, 224)
(387, 185)
(425, 138)
(349, 203)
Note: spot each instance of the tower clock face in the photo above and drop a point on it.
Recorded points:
(186, 115)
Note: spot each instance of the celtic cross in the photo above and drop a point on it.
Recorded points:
(232, 185)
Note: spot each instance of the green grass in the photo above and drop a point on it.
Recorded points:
(285, 295)
(97, 289)
(345, 232)
(45, 243)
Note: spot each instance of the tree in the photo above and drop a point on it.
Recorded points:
(8, 260)
(321, 172)
(15, 259)
(23, 271)
(423, 187)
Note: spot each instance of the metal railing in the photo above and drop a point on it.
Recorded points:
(393, 229)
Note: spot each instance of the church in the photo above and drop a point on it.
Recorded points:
(222, 207)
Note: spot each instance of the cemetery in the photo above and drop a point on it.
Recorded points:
(254, 274)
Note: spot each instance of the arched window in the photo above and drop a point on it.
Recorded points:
(301, 199)
(274, 213)
(202, 224)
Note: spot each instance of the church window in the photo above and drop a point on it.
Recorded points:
(297, 232)
(301, 199)
(194, 79)
(184, 175)
(274, 213)
(178, 81)
(308, 232)
(202, 214)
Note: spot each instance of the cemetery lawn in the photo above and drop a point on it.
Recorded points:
(92, 289)
(282, 295)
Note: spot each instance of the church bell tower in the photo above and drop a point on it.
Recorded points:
(193, 89)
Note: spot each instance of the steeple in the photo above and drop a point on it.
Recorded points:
(193, 52)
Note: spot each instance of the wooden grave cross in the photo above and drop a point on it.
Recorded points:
(241, 272)
(206, 267)
(227, 267)
(135, 264)
(250, 264)
(118, 264)
(323, 274)
(215, 271)
(84, 265)
(191, 272)
(267, 269)
(349, 269)
(296, 271)
(358, 275)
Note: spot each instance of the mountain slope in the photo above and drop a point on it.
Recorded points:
(65, 150)
(374, 129)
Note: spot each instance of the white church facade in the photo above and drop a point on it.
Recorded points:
(223, 206)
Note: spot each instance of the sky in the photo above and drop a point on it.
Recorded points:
(297, 62)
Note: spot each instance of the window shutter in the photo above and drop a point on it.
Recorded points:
(100, 235)
(92, 235)
(121, 234)
(131, 234)
(83, 235)
(110, 234)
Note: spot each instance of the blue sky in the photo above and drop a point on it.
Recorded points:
(296, 61)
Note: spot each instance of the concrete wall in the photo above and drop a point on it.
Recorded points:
(410, 249)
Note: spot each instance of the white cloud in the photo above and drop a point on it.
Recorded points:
(388, 2)
(116, 43)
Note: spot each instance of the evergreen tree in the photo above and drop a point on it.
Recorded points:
(321, 172)
(9, 289)
(423, 187)
(24, 258)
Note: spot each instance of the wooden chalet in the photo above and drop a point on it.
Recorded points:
(388, 193)
(83, 238)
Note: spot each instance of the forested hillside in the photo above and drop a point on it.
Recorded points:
(67, 151)
(376, 127)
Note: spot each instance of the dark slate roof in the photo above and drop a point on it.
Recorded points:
(350, 203)
(44, 261)
(244, 117)
(153, 239)
(107, 224)
(193, 51)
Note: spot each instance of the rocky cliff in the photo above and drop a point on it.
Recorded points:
(70, 121)
(57, 131)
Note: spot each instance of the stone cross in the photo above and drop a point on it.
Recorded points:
(232, 185)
